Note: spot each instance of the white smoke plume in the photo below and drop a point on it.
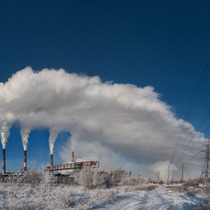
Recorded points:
(52, 138)
(25, 132)
(117, 124)
(5, 132)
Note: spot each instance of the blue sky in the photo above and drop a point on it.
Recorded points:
(163, 44)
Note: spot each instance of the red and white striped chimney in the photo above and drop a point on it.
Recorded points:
(72, 159)
(4, 163)
(25, 160)
(51, 162)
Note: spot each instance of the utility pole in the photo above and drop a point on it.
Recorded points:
(158, 177)
(205, 171)
(182, 175)
(168, 174)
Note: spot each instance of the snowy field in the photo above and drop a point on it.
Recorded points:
(89, 189)
(155, 199)
(74, 197)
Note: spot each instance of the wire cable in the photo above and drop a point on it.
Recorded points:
(205, 118)
(186, 163)
(199, 85)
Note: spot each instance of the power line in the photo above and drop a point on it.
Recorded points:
(199, 85)
(203, 132)
(205, 171)
(204, 120)
(188, 162)
(192, 158)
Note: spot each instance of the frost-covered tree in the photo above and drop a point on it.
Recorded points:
(118, 174)
(92, 178)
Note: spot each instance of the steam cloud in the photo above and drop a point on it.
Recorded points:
(5, 132)
(117, 124)
(52, 138)
(25, 131)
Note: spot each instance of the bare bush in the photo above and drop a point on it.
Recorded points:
(205, 203)
(192, 183)
(174, 182)
(161, 182)
(190, 187)
(37, 190)
(31, 177)
(146, 187)
(47, 178)
(91, 178)
(110, 196)
(117, 175)
(134, 181)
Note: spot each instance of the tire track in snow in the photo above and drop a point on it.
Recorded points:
(152, 200)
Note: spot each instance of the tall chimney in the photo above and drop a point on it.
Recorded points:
(4, 164)
(72, 157)
(51, 162)
(25, 161)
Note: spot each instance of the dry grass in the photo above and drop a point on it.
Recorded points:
(146, 187)
(192, 183)
(132, 181)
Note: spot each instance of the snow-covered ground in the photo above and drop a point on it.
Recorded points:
(27, 196)
(156, 199)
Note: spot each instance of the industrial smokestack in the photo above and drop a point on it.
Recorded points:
(51, 162)
(25, 161)
(52, 138)
(25, 132)
(72, 156)
(4, 164)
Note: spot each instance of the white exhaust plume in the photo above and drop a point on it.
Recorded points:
(5, 132)
(126, 124)
(52, 138)
(25, 132)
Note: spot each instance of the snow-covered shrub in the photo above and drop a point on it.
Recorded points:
(107, 181)
(37, 177)
(205, 203)
(190, 191)
(64, 179)
(192, 183)
(91, 178)
(147, 187)
(117, 175)
(161, 182)
(31, 177)
(97, 197)
(55, 197)
(29, 196)
(109, 196)
(47, 178)
(38, 191)
(85, 177)
(174, 181)
(134, 181)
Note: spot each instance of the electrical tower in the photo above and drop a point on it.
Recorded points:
(205, 171)
(158, 176)
(182, 174)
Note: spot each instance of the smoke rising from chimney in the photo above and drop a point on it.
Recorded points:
(52, 138)
(5, 132)
(25, 132)
(122, 121)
